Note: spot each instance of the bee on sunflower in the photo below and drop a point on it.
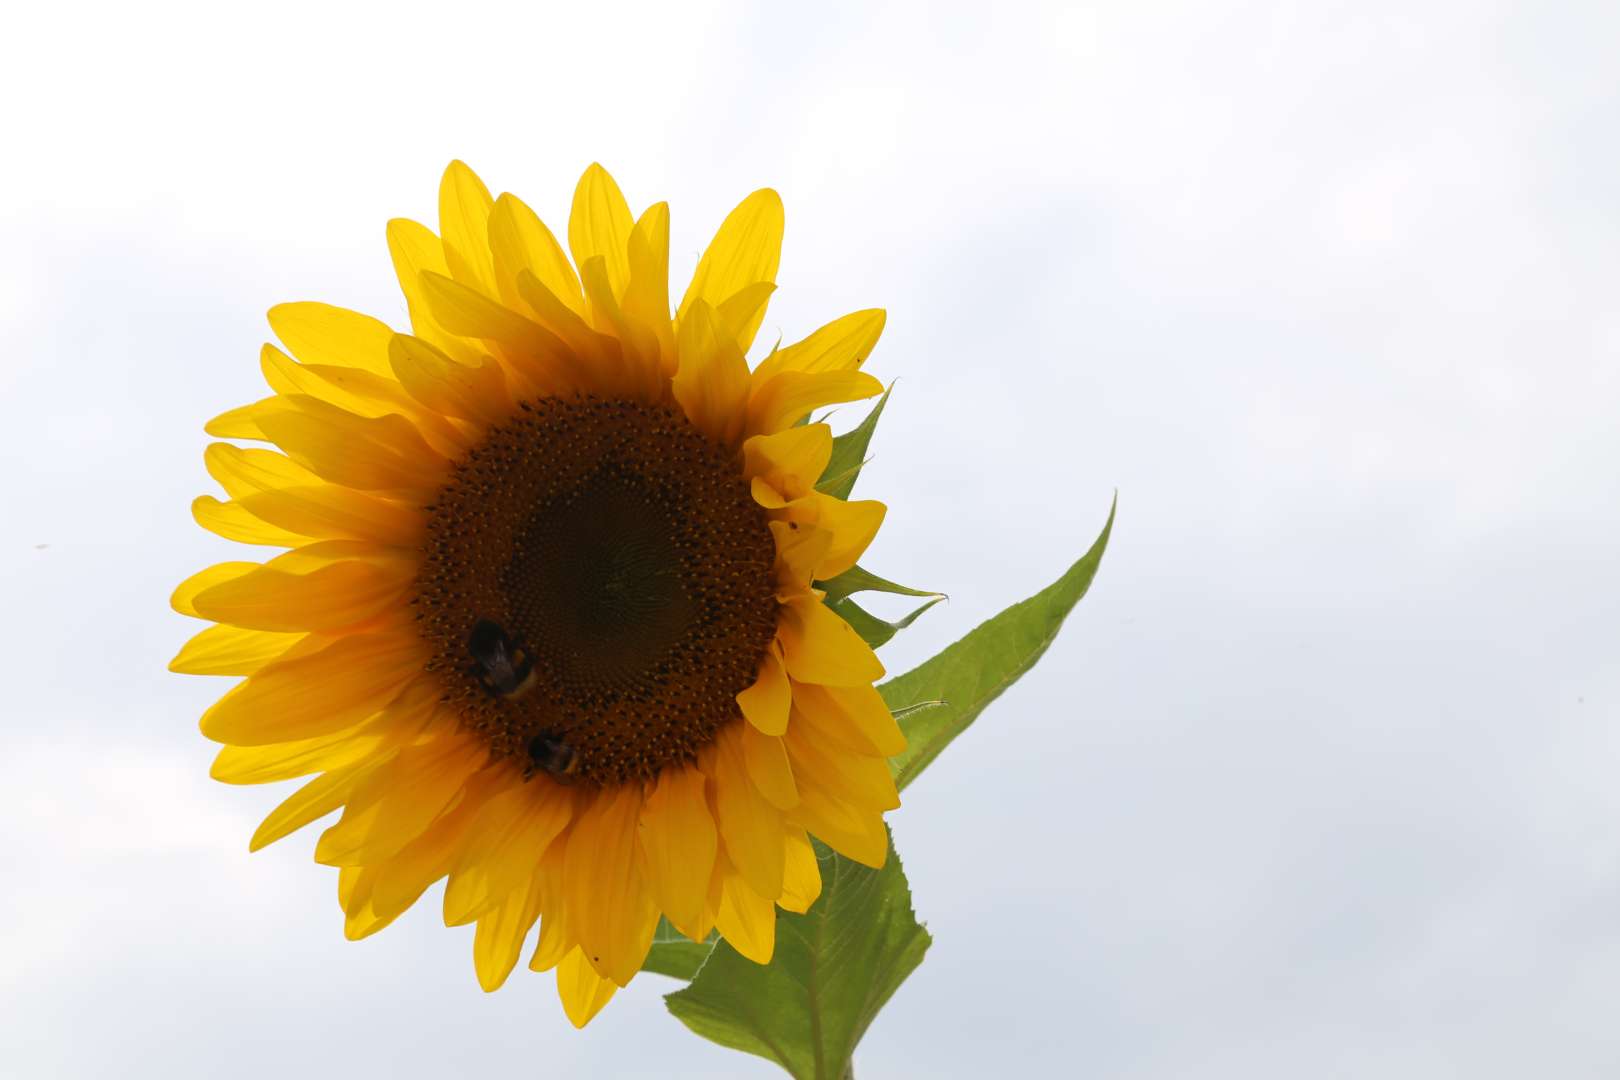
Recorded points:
(548, 625)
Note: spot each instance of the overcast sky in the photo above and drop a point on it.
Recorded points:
(1320, 780)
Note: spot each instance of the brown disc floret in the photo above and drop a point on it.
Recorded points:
(619, 556)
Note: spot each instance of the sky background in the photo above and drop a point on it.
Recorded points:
(1320, 780)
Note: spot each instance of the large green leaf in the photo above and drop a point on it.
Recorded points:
(849, 454)
(675, 954)
(834, 968)
(972, 673)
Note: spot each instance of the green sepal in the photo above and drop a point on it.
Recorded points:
(856, 579)
(873, 630)
(849, 454)
(970, 674)
(834, 967)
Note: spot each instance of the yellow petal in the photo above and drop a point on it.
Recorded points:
(782, 400)
(820, 647)
(505, 845)
(360, 392)
(750, 826)
(464, 210)
(841, 345)
(287, 760)
(416, 250)
(396, 804)
(532, 351)
(331, 512)
(711, 381)
(743, 308)
(646, 299)
(768, 768)
(384, 453)
(248, 471)
(790, 461)
(308, 696)
(234, 522)
(337, 594)
(554, 942)
(599, 227)
(582, 990)
(311, 802)
(449, 387)
(799, 551)
(746, 920)
(765, 704)
(801, 877)
(231, 650)
(861, 780)
(852, 524)
(405, 877)
(641, 362)
(678, 839)
(500, 934)
(322, 334)
(610, 907)
(746, 249)
(185, 594)
(241, 422)
(853, 833)
(856, 717)
(521, 243)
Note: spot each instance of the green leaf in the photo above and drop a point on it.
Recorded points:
(856, 580)
(675, 954)
(849, 454)
(972, 673)
(873, 630)
(834, 968)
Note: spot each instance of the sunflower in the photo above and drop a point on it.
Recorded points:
(548, 625)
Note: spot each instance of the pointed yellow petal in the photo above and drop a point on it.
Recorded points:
(500, 934)
(746, 920)
(801, 878)
(415, 251)
(766, 703)
(750, 826)
(311, 802)
(338, 594)
(820, 647)
(521, 243)
(331, 512)
(790, 461)
(231, 650)
(397, 803)
(711, 382)
(782, 400)
(446, 386)
(554, 941)
(841, 345)
(506, 843)
(746, 249)
(638, 348)
(852, 524)
(384, 453)
(531, 350)
(610, 907)
(185, 594)
(646, 299)
(599, 227)
(234, 522)
(313, 695)
(861, 780)
(464, 210)
(241, 422)
(322, 334)
(582, 990)
(403, 879)
(247, 471)
(678, 839)
(798, 552)
(768, 768)
(856, 717)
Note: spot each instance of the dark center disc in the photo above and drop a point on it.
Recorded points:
(597, 583)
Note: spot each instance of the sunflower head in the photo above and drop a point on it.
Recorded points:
(547, 625)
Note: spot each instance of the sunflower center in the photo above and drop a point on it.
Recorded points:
(597, 584)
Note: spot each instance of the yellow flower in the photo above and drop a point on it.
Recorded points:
(547, 626)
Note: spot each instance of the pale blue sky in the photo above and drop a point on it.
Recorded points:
(1320, 780)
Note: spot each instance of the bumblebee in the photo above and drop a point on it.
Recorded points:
(503, 666)
(555, 758)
